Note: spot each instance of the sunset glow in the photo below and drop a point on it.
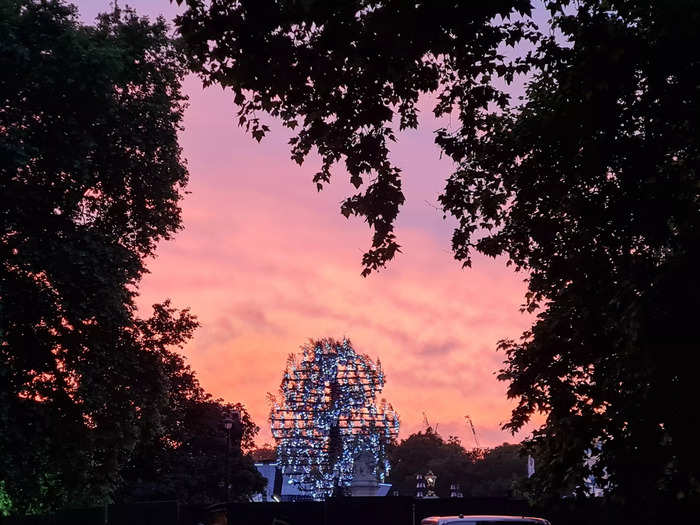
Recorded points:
(266, 263)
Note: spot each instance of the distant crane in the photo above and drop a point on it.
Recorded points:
(427, 423)
(471, 425)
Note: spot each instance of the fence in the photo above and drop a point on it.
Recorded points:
(151, 513)
(367, 511)
(359, 511)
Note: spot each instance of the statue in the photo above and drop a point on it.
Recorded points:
(430, 480)
(363, 466)
(364, 477)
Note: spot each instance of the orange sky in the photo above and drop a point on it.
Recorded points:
(266, 263)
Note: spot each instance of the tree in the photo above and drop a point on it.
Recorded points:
(185, 459)
(589, 183)
(265, 452)
(187, 462)
(425, 451)
(327, 414)
(91, 176)
(495, 472)
(500, 471)
(605, 221)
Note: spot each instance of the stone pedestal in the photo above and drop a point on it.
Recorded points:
(364, 488)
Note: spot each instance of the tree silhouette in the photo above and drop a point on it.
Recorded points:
(490, 472)
(90, 180)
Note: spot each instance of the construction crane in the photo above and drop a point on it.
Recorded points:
(427, 423)
(471, 425)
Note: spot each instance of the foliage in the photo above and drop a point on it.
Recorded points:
(425, 451)
(187, 462)
(500, 471)
(589, 183)
(328, 414)
(5, 501)
(265, 452)
(600, 164)
(90, 179)
(185, 459)
(342, 71)
(479, 473)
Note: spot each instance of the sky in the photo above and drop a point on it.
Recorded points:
(266, 263)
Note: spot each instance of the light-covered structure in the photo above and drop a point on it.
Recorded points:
(327, 414)
(278, 487)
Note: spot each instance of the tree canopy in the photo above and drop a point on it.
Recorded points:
(347, 74)
(491, 472)
(187, 461)
(90, 179)
(185, 458)
(265, 452)
(588, 183)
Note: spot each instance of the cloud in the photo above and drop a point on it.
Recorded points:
(266, 262)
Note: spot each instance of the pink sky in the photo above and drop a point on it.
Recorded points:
(266, 263)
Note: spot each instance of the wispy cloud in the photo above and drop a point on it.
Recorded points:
(266, 263)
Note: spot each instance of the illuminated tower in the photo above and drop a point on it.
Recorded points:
(327, 415)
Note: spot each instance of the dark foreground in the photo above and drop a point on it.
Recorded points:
(361, 511)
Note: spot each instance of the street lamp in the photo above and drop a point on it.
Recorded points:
(231, 417)
(430, 479)
(228, 423)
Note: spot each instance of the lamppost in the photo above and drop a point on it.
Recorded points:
(228, 423)
(430, 479)
(232, 417)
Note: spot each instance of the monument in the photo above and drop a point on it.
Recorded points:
(364, 476)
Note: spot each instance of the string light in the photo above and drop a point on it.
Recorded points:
(328, 414)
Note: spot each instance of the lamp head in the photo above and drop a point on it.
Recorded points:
(431, 479)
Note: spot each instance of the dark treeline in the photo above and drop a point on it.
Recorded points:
(496, 472)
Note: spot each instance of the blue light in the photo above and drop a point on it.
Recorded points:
(328, 397)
